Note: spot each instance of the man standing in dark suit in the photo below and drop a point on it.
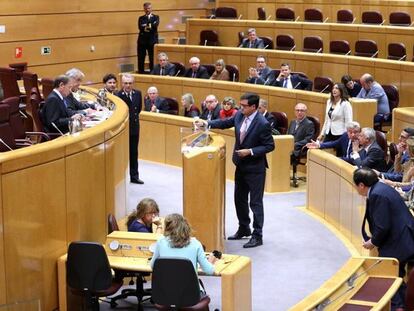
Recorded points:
(261, 74)
(391, 225)
(163, 68)
(252, 41)
(302, 130)
(343, 145)
(211, 108)
(370, 155)
(55, 115)
(253, 140)
(134, 101)
(155, 103)
(148, 36)
(291, 81)
(196, 71)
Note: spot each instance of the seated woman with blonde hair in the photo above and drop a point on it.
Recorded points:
(177, 242)
(228, 108)
(142, 218)
(221, 73)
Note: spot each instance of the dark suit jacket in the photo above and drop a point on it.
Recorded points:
(257, 44)
(168, 70)
(54, 110)
(302, 135)
(298, 83)
(201, 73)
(215, 115)
(135, 107)
(148, 37)
(374, 158)
(265, 77)
(390, 223)
(160, 103)
(193, 112)
(258, 138)
(74, 106)
(340, 145)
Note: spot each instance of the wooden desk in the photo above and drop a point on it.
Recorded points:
(329, 8)
(43, 205)
(370, 275)
(227, 32)
(401, 118)
(234, 270)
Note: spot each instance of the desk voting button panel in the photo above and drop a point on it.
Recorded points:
(131, 244)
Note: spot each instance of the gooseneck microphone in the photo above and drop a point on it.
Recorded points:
(4, 144)
(54, 125)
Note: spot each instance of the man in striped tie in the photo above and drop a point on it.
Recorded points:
(253, 140)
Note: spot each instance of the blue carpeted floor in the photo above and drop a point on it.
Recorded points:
(298, 254)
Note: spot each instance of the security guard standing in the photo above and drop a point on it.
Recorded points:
(133, 99)
(148, 36)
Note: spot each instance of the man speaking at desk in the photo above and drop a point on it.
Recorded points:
(253, 140)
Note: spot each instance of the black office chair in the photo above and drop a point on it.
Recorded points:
(175, 283)
(88, 273)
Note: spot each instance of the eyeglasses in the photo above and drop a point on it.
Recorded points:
(127, 82)
(246, 105)
(227, 104)
(209, 101)
(300, 110)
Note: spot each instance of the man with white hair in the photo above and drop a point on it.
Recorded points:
(343, 145)
(155, 103)
(164, 67)
(74, 105)
(196, 71)
(367, 153)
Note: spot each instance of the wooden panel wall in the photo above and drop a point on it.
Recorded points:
(72, 28)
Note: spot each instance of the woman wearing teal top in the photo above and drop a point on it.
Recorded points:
(177, 242)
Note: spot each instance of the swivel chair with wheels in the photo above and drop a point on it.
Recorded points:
(89, 274)
(175, 284)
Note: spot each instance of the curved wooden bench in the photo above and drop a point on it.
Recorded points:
(56, 192)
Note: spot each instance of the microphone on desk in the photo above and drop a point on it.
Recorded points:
(178, 72)
(266, 47)
(205, 42)
(324, 89)
(319, 50)
(240, 16)
(4, 144)
(23, 114)
(268, 17)
(234, 77)
(299, 83)
(54, 125)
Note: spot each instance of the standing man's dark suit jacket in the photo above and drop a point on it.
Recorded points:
(54, 110)
(298, 83)
(302, 135)
(74, 106)
(374, 158)
(215, 113)
(168, 70)
(256, 44)
(265, 77)
(390, 223)
(343, 146)
(258, 138)
(160, 103)
(201, 73)
(135, 107)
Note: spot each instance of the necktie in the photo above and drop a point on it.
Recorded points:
(65, 102)
(130, 97)
(243, 130)
(209, 116)
(194, 74)
(161, 71)
(250, 44)
(285, 82)
(297, 126)
(363, 154)
(364, 233)
(349, 149)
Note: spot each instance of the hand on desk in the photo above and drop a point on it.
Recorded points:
(212, 259)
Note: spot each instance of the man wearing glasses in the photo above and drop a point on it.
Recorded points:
(261, 74)
(254, 139)
(211, 108)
